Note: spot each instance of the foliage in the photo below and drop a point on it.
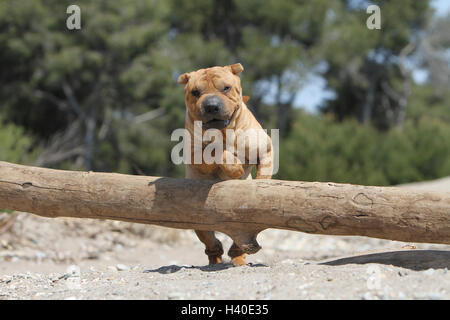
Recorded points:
(15, 145)
(322, 149)
(369, 76)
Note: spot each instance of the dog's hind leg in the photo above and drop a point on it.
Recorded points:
(214, 249)
(237, 255)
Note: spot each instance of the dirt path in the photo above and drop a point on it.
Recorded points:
(85, 259)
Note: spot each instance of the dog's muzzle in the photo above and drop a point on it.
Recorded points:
(214, 113)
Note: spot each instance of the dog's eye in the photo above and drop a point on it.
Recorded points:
(226, 88)
(195, 93)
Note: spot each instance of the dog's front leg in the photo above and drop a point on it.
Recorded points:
(213, 247)
(264, 168)
(232, 167)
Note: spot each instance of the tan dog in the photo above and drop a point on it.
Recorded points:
(214, 97)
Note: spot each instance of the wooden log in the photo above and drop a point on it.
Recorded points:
(238, 208)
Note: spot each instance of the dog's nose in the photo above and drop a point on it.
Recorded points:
(212, 105)
(212, 108)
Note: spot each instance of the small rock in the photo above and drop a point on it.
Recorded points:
(73, 271)
(369, 296)
(304, 286)
(5, 244)
(435, 296)
(122, 267)
(429, 272)
(402, 273)
(40, 255)
(419, 296)
(39, 294)
(175, 296)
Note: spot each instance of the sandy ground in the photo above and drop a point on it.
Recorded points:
(85, 259)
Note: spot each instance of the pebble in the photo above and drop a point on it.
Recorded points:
(40, 255)
(367, 296)
(435, 296)
(428, 272)
(304, 286)
(73, 271)
(175, 296)
(374, 296)
(122, 267)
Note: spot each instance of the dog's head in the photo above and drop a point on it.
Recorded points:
(213, 95)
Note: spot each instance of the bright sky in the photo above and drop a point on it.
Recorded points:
(442, 7)
(314, 92)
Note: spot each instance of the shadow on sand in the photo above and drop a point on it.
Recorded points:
(208, 268)
(417, 260)
(410, 259)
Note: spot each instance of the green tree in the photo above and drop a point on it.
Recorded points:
(366, 68)
(73, 87)
(15, 145)
(322, 149)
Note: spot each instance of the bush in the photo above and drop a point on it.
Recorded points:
(322, 149)
(15, 145)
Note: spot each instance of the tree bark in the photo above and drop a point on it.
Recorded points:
(238, 208)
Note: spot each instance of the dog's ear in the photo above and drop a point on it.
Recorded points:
(183, 78)
(236, 68)
(245, 98)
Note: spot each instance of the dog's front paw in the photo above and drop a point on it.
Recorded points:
(231, 166)
(233, 171)
(239, 261)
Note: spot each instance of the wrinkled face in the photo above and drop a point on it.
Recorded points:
(213, 95)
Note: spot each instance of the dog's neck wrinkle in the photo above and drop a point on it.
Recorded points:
(210, 80)
(241, 118)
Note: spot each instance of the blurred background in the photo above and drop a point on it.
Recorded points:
(353, 105)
